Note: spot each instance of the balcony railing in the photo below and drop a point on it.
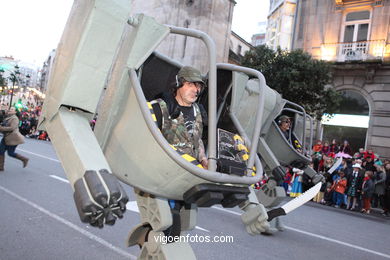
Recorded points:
(353, 51)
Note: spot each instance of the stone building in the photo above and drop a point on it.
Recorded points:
(355, 36)
(280, 23)
(45, 71)
(237, 48)
(213, 17)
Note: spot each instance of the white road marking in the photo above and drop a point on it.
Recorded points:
(71, 225)
(226, 210)
(205, 230)
(59, 178)
(339, 242)
(39, 155)
(317, 236)
(132, 206)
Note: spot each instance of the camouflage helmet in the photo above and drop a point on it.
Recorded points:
(190, 74)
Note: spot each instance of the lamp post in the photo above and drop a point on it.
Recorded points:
(13, 77)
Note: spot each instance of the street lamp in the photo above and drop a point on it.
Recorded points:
(14, 78)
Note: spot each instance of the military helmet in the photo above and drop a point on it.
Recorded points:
(190, 74)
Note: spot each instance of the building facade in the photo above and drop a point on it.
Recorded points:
(355, 36)
(280, 23)
(258, 39)
(45, 71)
(213, 17)
(237, 48)
(27, 77)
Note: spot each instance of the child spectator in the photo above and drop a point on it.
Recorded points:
(287, 181)
(354, 188)
(317, 156)
(296, 188)
(319, 198)
(339, 186)
(317, 148)
(367, 191)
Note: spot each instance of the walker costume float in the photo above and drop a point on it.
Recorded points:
(102, 48)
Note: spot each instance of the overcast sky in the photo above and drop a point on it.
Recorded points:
(247, 15)
(27, 35)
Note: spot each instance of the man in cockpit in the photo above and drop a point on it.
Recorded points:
(180, 118)
(284, 124)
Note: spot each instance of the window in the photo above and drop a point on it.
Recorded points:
(363, 15)
(239, 48)
(355, 35)
(356, 26)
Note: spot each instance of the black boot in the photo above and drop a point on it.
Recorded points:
(1, 163)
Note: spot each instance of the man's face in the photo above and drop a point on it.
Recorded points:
(11, 111)
(188, 93)
(285, 125)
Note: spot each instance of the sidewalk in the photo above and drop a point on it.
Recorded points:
(375, 212)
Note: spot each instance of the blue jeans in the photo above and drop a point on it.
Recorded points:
(9, 148)
(339, 198)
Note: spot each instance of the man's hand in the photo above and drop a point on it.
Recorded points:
(205, 163)
(255, 219)
(99, 197)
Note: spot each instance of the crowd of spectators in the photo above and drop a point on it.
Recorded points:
(360, 183)
(28, 114)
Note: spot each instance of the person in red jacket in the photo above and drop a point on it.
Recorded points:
(317, 148)
(339, 187)
(369, 153)
(367, 191)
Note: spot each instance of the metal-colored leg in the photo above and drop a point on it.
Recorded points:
(156, 217)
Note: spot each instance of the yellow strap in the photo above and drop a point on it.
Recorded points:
(245, 157)
(237, 137)
(242, 147)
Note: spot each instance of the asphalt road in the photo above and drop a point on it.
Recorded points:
(38, 220)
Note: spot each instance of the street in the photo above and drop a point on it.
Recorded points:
(39, 221)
